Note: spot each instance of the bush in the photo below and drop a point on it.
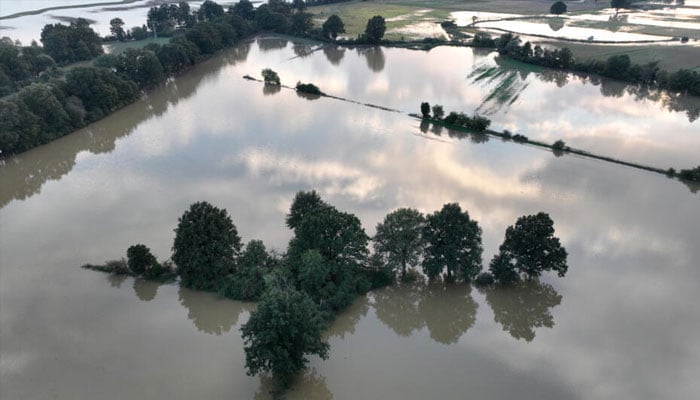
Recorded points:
(559, 145)
(309, 88)
(690, 174)
(140, 259)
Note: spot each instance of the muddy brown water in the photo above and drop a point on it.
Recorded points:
(622, 324)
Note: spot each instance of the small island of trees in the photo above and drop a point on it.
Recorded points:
(328, 263)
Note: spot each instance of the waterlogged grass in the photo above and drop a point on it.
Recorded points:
(669, 57)
(398, 17)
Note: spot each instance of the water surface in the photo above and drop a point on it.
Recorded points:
(622, 324)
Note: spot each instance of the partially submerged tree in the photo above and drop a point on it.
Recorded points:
(205, 247)
(425, 109)
(529, 249)
(399, 238)
(279, 336)
(140, 259)
(453, 244)
(270, 77)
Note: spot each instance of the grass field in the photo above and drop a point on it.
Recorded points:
(670, 57)
(118, 47)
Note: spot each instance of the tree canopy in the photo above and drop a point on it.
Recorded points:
(529, 249)
(376, 26)
(333, 26)
(281, 333)
(453, 244)
(399, 238)
(558, 8)
(206, 246)
(71, 43)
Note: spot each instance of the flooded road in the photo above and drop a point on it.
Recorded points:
(622, 323)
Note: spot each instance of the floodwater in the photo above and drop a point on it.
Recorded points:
(622, 324)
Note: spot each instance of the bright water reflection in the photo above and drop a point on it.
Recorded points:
(622, 324)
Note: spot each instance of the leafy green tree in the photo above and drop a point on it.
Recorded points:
(116, 26)
(270, 77)
(399, 238)
(141, 66)
(45, 102)
(376, 26)
(139, 259)
(502, 270)
(558, 8)
(301, 22)
(281, 333)
(139, 32)
(304, 204)
(209, 11)
(248, 281)
(453, 244)
(333, 26)
(100, 90)
(529, 249)
(206, 36)
(425, 109)
(75, 42)
(205, 247)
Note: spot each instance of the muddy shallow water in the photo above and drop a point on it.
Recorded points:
(621, 324)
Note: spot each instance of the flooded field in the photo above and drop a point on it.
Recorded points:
(621, 324)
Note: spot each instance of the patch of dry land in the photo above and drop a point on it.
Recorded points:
(589, 28)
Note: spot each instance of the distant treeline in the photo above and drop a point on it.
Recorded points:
(616, 67)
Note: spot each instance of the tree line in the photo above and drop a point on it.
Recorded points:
(328, 263)
(617, 67)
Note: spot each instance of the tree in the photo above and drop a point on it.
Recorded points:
(425, 109)
(206, 246)
(438, 112)
(453, 244)
(376, 26)
(333, 26)
(529, 248)
(304, 204)
(139, 259)
(270, 77)
(618, 4)
(617, 66)
(281, 333)
(75, 42)
(399, 238)
(116, 26)
(248, 281)
(558, 8)
(141, 66)
(209, 11)
(301, 22)
(243, 9)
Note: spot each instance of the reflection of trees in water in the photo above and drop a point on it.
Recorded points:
(308, 96)
(448, 311)
(506, 81)
(345, 322)
(522, 307)
(375, 57)
(210, 313)
(266, 44)
(397, 307)
(310, 385)
(559, 77)
(145, 290)
(556, 23)
(116, 280)
(301, 49)
(23, 175)
(334, 54)
(269, 90)
(693, 186)
(424, 125)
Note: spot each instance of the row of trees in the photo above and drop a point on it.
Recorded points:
(617, 66)
(328, 263)
(476, 123)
